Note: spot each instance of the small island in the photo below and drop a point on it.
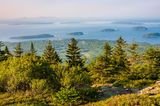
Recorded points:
(76, 33)
(33, 36)
(152, 35)
(140, 28)
(108, 30)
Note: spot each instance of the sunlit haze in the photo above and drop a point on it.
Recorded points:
(80, 8)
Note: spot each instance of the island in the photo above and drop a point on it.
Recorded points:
(140, 28)
(33, 36)
(108, 30)
(152, 35)
(76, 33)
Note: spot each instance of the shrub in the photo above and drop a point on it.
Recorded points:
(39, 86)
(17, 74)
(67, 96)
(88, 94)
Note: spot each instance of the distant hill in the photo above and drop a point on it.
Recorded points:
(76, 33)
(33, 36)
(140, 28)
(152, 35)
(108, 30)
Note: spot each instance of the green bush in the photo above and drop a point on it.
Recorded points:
(67, 97)
(17, 73)
(88, 94)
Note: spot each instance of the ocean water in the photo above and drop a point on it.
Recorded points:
(91, 30)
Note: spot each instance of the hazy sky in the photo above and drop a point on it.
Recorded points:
(80, 8)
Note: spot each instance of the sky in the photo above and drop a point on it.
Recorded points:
(112, 9)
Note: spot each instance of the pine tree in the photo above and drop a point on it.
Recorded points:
(50, 55)
(18, 50)
(73, 54)
(120, 57)
(32, 49)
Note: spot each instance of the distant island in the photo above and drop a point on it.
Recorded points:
(152, 35)
(76, 33)
(140, 28)
(108, 30)
(127, 22)
(33, 36)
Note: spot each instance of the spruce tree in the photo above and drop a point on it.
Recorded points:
(18, 50)
(73, 54)
(32, 49)
(50, 55)
(119, 55)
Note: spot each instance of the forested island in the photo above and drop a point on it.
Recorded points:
(33, 36)
(117, 76)
(140, 28)
(76, 33)
(108, 30)
(152, 35)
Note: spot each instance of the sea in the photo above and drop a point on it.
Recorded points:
(92, 29)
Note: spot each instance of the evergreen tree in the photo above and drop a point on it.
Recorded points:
(120, 57)
(6, 50)
(152, 56)
(73, 54)
(18, 50)
(50, 55)
(1, 45)
(152, 59)
(134, 56)
(104, 61)
(2, 54)
(32, 49)
(101, 69)
(107, 53)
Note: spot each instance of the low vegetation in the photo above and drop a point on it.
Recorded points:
(27, 78)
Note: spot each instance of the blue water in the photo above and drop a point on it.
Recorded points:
(91, 30)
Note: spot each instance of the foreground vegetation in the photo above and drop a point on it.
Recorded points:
(27, 78)
(129, 100)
